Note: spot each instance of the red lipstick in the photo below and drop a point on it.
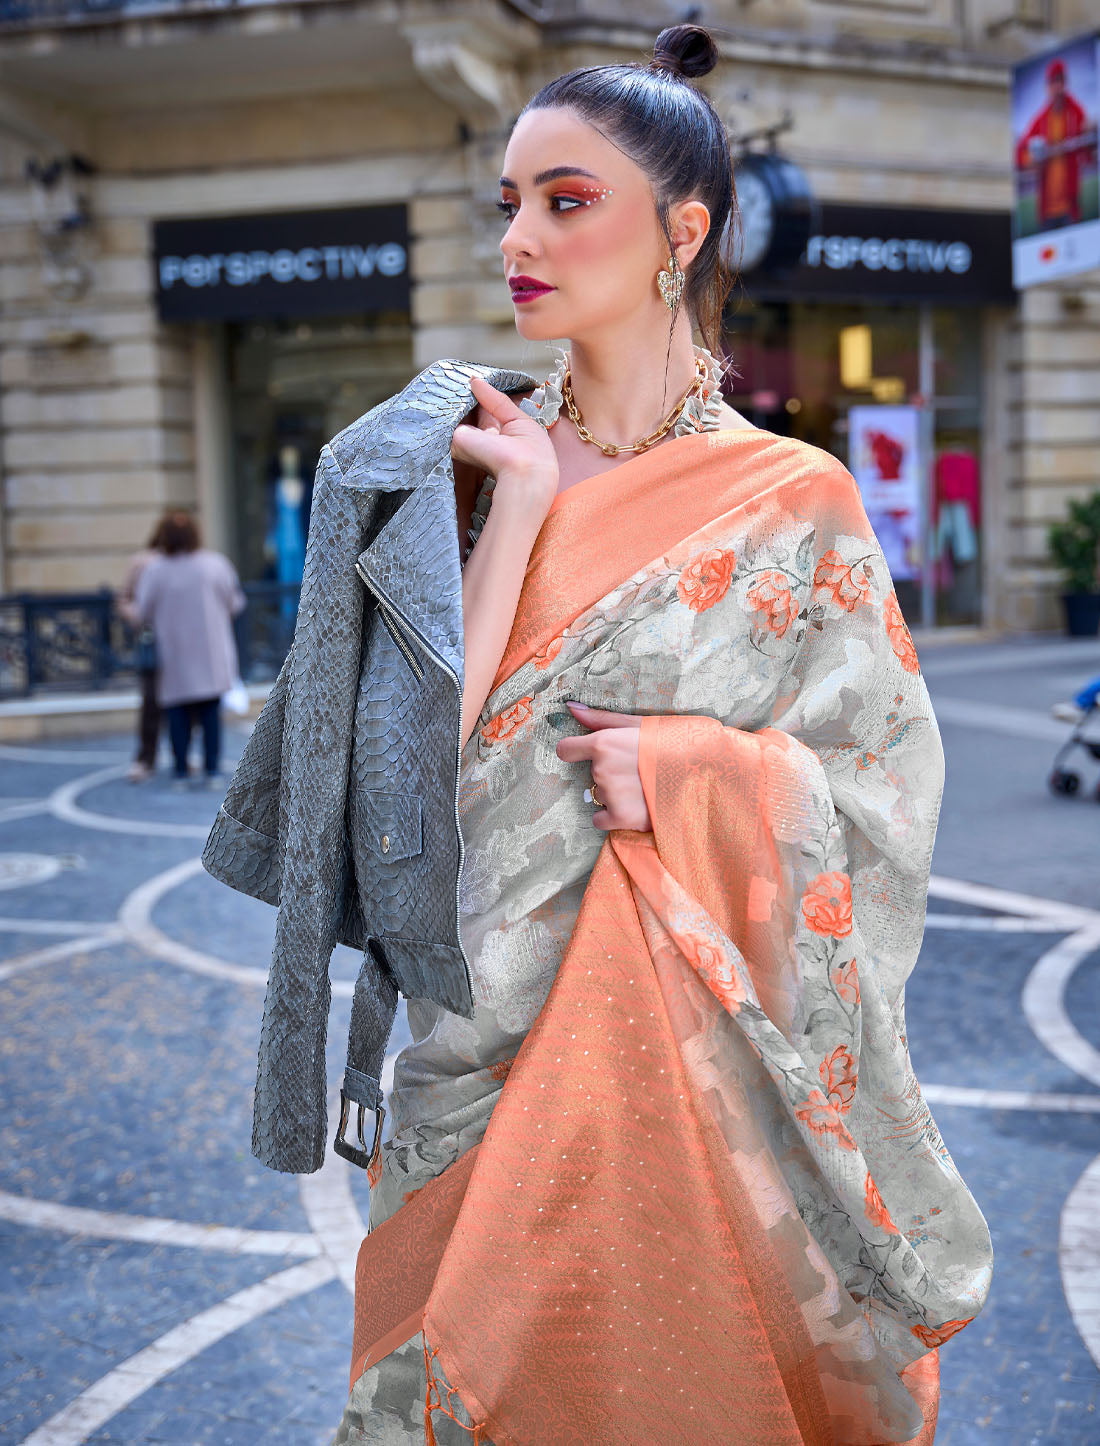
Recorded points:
(527, 288)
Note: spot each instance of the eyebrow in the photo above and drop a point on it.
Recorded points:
(554, 174)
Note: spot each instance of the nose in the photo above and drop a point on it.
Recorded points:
(517, 239)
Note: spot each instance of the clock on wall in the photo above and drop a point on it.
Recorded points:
(775, 213)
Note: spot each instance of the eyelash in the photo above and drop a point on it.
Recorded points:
(506, 207)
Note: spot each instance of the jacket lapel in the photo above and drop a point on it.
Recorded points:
(413, 561)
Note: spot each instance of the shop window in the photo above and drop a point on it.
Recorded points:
(846, 377)
(293, 386)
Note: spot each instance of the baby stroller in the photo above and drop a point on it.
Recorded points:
(1066, 779)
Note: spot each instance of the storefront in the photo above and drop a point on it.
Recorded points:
(301, 324)
(872, 348)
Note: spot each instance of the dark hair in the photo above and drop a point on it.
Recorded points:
(673, 132)
(177, 532)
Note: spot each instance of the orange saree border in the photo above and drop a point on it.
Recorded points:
(645, 504)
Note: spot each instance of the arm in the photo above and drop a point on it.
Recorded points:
(235, 599)
(140, 612)
(516, 450)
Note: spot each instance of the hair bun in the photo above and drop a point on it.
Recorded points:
(686, 51)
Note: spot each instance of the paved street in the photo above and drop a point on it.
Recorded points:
(159, 1285)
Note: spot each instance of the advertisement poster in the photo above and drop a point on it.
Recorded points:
(884, 458)
(1056, 220)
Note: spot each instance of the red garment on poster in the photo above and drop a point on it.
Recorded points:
(1059, 177)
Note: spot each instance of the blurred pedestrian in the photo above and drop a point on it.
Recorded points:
(189, 596)
(145, 661)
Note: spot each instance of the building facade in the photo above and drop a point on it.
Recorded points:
(226, 231)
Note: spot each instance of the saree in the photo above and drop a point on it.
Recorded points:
(676, 1180)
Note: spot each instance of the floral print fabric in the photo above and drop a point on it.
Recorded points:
(793, 769)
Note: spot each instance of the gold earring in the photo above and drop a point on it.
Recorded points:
(671, 284)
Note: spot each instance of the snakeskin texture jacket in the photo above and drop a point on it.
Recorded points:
(343, 809)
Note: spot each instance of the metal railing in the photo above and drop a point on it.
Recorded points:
(78, 642)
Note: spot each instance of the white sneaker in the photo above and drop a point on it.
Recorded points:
(1067, 712)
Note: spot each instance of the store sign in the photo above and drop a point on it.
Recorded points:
(1055, 106)
(901, 254)
(284, 264)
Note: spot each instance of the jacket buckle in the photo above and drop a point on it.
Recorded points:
(358, 1154)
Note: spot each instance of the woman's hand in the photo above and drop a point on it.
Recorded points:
(612, 749)
(515, 449)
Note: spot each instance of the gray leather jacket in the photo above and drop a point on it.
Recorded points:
(343, 809)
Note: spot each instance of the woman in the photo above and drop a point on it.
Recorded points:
(674, 1180)
(189, 597)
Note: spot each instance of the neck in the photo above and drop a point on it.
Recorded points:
(622, 403)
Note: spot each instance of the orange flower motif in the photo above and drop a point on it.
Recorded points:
(499, 1071)
(772, 597)
(933, 1336)
(845, 980)
(898, 633)
(549, 653)
(839, 1076)
(506, 723)
(827, 905)
(821, 1117)
(706, 579)
(713, 965)
(839, 582)
(877, 1212)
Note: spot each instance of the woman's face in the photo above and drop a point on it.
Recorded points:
(582, 219)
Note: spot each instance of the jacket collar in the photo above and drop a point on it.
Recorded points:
(405, 444)
(396, 444)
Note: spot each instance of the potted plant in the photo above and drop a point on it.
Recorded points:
(1075, 547)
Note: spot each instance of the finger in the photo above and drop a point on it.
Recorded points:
(484, 447)
(576, 750)
(603, 717)
(498, 404)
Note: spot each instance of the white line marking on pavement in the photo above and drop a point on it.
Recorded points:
(1079, 1256)
(13, 812)
(985, 896)
(12, 753)
(151, 1230)
(113, 1392)
(135, 918)
(986, 925)
(107, 935)
(332, 1212)
(48, 926)
(1038, 1100)
(63, 805)
(1000, 718)
(1044, 1007)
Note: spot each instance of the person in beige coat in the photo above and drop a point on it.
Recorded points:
(189, 597)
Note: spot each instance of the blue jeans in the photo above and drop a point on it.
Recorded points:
(182, 718)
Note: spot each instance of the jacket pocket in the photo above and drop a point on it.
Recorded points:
(392, 824)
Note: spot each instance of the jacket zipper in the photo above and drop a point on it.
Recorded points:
(399, 638)
(384, 606)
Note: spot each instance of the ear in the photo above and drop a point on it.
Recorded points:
(688, 222)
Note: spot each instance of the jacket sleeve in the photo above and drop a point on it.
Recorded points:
(281, 833)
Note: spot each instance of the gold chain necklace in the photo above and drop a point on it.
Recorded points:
(612, 449)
